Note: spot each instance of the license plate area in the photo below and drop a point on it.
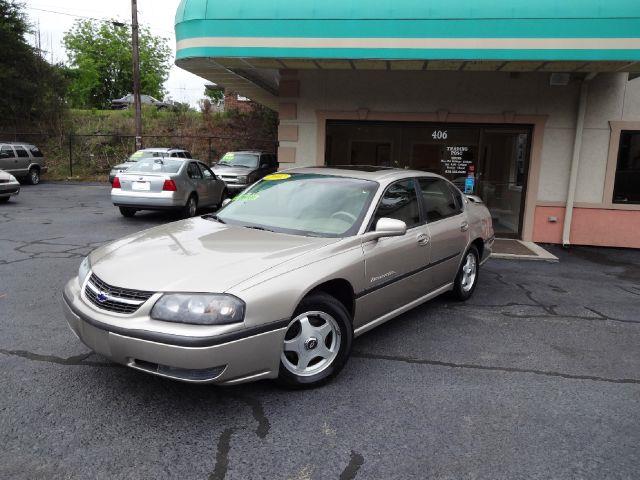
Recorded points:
(141, 186)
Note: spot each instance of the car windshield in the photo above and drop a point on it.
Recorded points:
(247, 160)
(302, 204)
(156, 165)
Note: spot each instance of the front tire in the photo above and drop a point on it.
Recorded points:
(317, 343)
(127, 212)
(4, 199)
(34, 176)
(467, 278)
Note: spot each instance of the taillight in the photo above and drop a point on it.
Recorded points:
(116, 183)
(169, 186)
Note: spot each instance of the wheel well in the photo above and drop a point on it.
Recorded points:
(35, 165)
(341, 290)
(479, 244)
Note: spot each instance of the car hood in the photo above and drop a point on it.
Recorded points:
(196, 255)
(6, 176)
(218, 170)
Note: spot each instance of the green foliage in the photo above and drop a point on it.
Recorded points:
(32, 89)
(102, 66)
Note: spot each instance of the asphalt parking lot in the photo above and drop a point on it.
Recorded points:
(536, 377)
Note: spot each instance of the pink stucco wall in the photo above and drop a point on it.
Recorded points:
(590, 226)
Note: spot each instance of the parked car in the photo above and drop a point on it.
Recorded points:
(128, 101)
(167, 184)
(9, 186)
(241, 169)
(22, 160)
(279, 282)
(147, 153)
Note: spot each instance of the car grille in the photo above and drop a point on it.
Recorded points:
(114, 299)
(229, 178)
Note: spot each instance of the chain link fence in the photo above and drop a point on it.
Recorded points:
(92, 156)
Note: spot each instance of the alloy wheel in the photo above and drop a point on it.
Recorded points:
(311, 344)
(469, 272)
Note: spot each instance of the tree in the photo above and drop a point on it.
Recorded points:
(101, 66)
(32, 89)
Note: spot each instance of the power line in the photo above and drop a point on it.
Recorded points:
(76, 15)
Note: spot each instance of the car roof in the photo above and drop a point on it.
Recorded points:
(17, 143)
(253, 152)
(162, 149)
(364, 172)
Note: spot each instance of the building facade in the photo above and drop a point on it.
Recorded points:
(535, 108)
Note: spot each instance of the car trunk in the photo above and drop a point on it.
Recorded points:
(142, 182)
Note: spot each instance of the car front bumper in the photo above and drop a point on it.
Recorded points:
(8, 189)
(235, 187)
(241, 356)
(148, 201)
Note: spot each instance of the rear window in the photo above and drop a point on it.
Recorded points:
(156, 165)
(35, 151)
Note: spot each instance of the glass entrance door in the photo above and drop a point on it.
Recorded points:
(501, 178)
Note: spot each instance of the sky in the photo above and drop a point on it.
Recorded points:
(157, 15)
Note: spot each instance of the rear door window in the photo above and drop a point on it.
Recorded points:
(194, 171)
(438, 199)
(21, 152)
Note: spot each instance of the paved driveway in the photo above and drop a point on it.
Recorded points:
(538, 376)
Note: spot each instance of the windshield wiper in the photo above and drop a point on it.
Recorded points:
(211, 216)
(257, 228)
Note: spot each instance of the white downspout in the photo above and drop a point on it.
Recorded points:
(575, 161)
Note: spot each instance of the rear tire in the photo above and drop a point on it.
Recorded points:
(34, 176)
(321, 330)
(191, 207)
(127, 212)
(4, 199)
(468, 274)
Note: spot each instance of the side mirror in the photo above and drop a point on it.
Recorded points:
(264, 165)
(474, 198)
(386, 227)
(226, 202)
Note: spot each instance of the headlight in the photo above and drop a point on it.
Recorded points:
(84, 269)
(199, 309)
(242, 178)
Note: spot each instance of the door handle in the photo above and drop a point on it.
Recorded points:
(464, 226)
(423, 239)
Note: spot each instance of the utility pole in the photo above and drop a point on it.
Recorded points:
(136, 72)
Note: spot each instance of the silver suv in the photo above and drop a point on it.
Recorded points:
(22, 160)
(241, 169)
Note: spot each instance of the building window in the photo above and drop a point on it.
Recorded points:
(627, 184)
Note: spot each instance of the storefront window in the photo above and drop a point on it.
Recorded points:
(627, 184)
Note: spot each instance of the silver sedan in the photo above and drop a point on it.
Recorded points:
(167, 184)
